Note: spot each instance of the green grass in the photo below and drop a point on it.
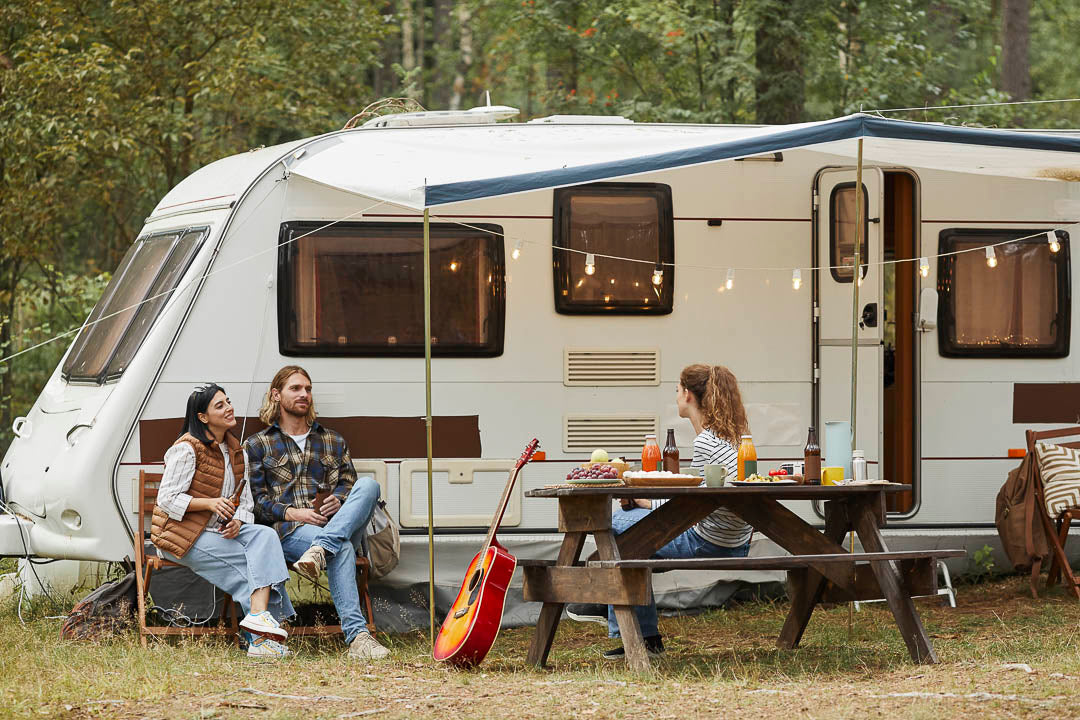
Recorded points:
(720, 663)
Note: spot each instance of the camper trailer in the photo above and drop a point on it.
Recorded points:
(577, 265)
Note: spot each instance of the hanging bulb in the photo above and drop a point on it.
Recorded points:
(517, 251)
(453, 265)
(730, 282)
(991, 257)
(657, 275)
(924, 266)
(590, 264)
(1051, 237)
(796, 279)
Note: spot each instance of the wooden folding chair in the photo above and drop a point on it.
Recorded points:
(145, 565)
(1056, 537)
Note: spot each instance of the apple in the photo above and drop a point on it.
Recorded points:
(599, 455)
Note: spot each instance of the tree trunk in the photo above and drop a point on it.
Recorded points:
(1015, 41)
(780, 86)
(439, 87)
(408, 42)
(465, 56)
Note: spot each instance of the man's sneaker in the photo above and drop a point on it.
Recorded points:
(263, 624)
(654, 646)
(587, 612)
(264, 647)
(365, 647)
(311, 563)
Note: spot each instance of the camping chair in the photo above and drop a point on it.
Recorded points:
(145, 565)
(1055, 537)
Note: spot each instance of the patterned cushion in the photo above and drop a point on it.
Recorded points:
(1060, 470)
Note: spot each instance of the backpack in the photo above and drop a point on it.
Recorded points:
(108, 610)
(382, 542)
(1018, 522)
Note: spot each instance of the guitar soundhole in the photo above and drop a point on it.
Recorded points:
(475, 579)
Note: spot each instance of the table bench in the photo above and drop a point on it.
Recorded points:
(819, 568)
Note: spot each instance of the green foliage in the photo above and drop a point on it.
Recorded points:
(983, 564)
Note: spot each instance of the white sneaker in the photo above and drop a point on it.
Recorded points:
(263, 624)
(311, 563)
(264, 647)
(365, 647)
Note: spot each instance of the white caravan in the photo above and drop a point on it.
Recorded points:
(311, 253)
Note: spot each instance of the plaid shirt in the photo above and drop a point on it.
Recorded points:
(283, 476)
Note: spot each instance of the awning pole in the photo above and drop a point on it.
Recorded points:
(856, 274)
(427, 418)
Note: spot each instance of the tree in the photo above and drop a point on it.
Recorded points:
(1015, 41)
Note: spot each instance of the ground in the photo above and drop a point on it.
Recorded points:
(1002, 655)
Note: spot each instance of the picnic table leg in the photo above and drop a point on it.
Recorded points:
(551, 611)
(629, 628)
(888, 577)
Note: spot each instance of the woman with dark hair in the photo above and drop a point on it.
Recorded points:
(708, 396)
(204, 520)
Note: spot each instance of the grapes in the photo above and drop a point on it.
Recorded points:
(599, 471)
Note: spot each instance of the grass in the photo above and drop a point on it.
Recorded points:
(719, 663)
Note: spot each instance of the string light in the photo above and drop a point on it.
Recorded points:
(1051, 237)
(657, 275)
(796, 279)
(924, 266)
(517, 249)
(991, 257)
(730, 282)
(453, 265)
(590, 264)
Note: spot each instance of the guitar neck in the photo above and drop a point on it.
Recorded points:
(497, 520)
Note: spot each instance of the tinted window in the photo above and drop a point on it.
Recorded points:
(632, 221)
(358, 289)
(1020, 308)
(842, 232)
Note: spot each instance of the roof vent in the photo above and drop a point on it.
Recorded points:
(581, 120)
(619, 432)
(483, 115)
(611, 366)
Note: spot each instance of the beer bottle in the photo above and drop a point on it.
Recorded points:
(812, 459)
(671, 453)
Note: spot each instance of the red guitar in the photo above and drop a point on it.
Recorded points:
(471, 626)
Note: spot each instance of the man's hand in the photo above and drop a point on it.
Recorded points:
(223, 508)
(305, 515)
(330, 506)
(231, 529)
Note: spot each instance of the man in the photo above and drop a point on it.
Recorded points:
(291, 462)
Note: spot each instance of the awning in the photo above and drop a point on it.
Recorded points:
(429, 167)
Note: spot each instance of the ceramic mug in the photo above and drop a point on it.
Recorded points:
(715, 475)
(832, 475)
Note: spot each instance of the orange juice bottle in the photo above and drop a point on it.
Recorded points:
(650, 454)
(747, 458)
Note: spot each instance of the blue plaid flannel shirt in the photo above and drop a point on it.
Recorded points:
(283, 476)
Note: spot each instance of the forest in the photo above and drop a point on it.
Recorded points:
(106, 105)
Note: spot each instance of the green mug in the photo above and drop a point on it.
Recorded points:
(715, 475)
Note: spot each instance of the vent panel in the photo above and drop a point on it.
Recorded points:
(611, 366)
(621, 433)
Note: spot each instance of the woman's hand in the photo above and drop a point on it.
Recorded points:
(223, 508)
(231, 529)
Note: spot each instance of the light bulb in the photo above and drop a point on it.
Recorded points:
(991, 257)
(796, 279)
(730, 282)
(590, 264)
(1051, 237)
(657, 275)
(517, 251)
(453, 265)
(924, 266)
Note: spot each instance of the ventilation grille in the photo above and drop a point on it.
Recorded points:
(622, 433)
(596, 366)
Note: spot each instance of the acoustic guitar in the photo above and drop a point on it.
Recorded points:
(471, 626)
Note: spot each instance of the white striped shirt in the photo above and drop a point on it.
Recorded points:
(173, 497)
(721, 527)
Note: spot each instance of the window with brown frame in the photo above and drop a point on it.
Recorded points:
(1019, 308)
(842, 232)
(629, 221)
(357, 289)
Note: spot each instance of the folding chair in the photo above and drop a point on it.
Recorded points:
(1056, 537)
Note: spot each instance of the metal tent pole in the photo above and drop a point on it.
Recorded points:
(855, 276)
(427, 418)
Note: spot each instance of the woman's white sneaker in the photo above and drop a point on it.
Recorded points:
(263, 624)
(264, 647)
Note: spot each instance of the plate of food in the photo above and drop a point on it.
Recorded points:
(762, 480)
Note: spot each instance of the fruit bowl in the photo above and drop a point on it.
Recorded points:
(620, 466)
(595, 473)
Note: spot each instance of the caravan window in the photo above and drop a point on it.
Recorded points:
(131, 303)
(357, 289)
(842, 232)
(1020, 308)
(608, 221)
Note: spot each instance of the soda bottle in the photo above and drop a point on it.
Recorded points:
(747, 457)
(650, 454)
(812, 459)
(671, 453)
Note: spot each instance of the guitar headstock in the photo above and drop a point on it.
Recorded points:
(527, 454)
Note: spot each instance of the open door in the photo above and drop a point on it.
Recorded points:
(834, 201)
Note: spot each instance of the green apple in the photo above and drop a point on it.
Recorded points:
(599, 455)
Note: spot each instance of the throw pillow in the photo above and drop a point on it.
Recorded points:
(1060, 470)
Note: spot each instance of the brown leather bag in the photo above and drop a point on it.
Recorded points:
(1018, 522)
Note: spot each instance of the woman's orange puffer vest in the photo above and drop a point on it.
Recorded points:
(177, 536)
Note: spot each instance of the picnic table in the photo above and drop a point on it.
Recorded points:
(819, 568)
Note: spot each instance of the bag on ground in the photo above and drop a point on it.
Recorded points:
(1018, 521)
(106, 611)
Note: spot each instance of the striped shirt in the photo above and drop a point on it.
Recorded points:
(172, 494)
(721, 527)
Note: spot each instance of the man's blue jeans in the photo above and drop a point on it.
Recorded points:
(340, 537)
(687, 545)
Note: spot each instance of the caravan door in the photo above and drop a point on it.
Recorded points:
(834, 201)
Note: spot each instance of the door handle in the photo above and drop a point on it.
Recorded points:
(869, 316)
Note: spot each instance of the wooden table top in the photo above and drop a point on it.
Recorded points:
(777, 492)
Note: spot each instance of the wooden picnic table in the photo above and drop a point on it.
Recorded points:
(819, 568)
